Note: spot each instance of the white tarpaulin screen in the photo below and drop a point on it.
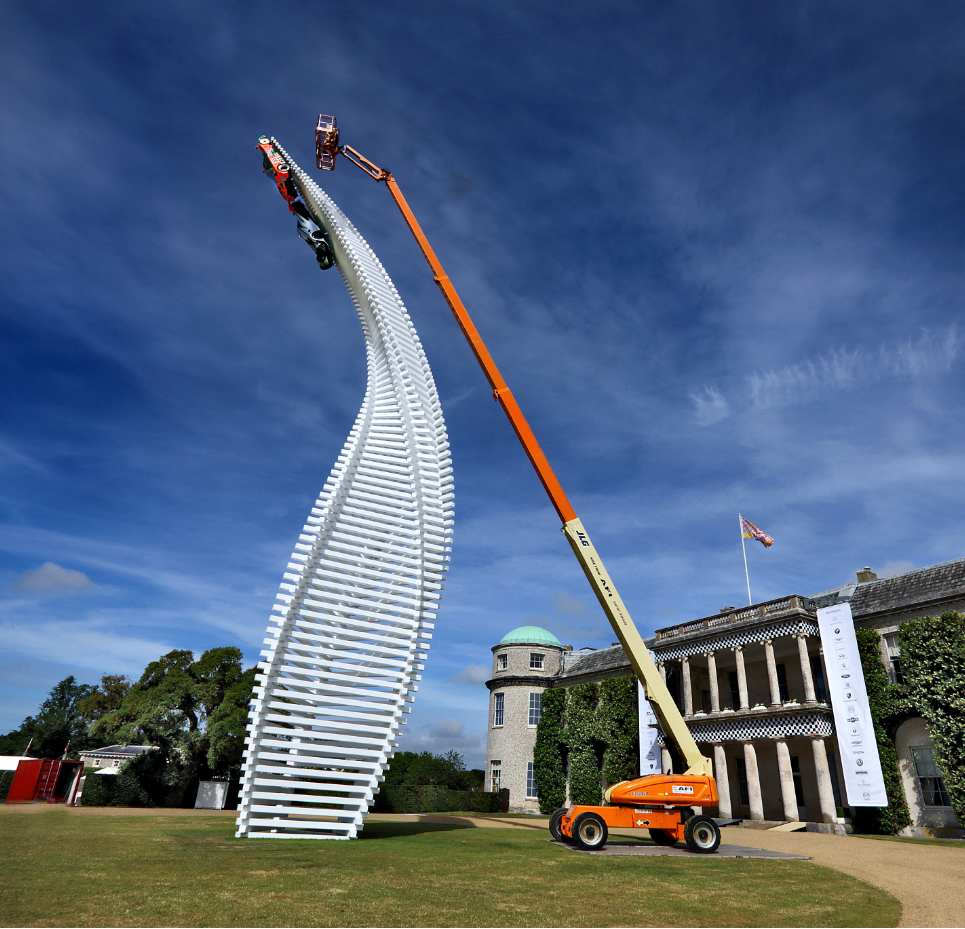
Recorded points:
(863, 780)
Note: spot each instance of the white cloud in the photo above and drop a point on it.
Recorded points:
(474, 674)
(710, 405)
(443, 736)
(51, 578)
(894, 568)
(840, 369)
(572, 606)
(92, 646)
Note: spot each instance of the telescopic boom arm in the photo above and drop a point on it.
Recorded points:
(666, 710)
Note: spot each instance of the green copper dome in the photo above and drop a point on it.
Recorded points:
(530, 635)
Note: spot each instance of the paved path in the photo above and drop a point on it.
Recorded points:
(623, 848)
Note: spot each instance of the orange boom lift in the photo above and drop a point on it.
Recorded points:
(662, 803)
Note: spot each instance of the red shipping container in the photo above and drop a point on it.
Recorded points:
(44, 780)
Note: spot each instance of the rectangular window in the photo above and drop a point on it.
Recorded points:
(497, 709)
(817, 675)
(535, 708)
(495, 773)
(502, 662)
(735, 694)
(894, 658)
(531, 793)
(929, 776)
(782, 687)
(536, 661)
(745, 796)
(796, 775)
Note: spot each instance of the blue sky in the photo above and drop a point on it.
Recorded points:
(716, 249)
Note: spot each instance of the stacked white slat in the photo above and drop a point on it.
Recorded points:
(357, 605)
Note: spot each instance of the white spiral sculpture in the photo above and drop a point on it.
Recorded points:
(356, 606)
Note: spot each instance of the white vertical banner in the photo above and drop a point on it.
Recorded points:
(863, 780)
(649, 749)
(650, 760)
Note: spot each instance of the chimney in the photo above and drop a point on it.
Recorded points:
(866, 575)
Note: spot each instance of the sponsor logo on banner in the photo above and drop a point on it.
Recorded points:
(863, 780)
(649, 749)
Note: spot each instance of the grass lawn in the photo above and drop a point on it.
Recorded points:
(68, 869)
(948, 843)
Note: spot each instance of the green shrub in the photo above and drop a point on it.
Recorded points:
(144, 780)
(98, 788)
(432, 798)
(139, 783)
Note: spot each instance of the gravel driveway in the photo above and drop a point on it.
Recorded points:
(929, 880)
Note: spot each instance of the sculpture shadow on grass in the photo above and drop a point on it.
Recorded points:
(382, 830)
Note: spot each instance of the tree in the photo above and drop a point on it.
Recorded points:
(193, 712)
(58, 722)
(105, 698)
(423, 769)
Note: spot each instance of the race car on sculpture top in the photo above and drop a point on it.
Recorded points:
(316, 237)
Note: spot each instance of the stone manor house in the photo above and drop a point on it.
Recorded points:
(751, 685)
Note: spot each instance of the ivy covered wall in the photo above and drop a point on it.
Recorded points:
(933, 666)
(549, 753)
(881, 820)
(591, 729)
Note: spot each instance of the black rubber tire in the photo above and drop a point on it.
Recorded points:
(555, 817)
(663, 837)
(590, 832)
(324, 256)
(702, 835)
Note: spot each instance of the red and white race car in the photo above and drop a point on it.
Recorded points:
(275, 166)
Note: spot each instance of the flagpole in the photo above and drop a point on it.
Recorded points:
(747, 577)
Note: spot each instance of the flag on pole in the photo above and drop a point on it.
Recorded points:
(750, 531)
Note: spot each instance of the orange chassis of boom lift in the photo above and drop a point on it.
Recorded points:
(662, 803)
(652, 802)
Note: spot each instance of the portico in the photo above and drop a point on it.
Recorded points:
(745, 683)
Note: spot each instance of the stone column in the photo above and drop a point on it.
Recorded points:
(826, 795)
(712, 674)
(662, 668)
(787, 781)
(754, 782)
(666, 761)
(741, 677)
(802, 650)
(724, 807)
(772, 673)
(688, 696)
